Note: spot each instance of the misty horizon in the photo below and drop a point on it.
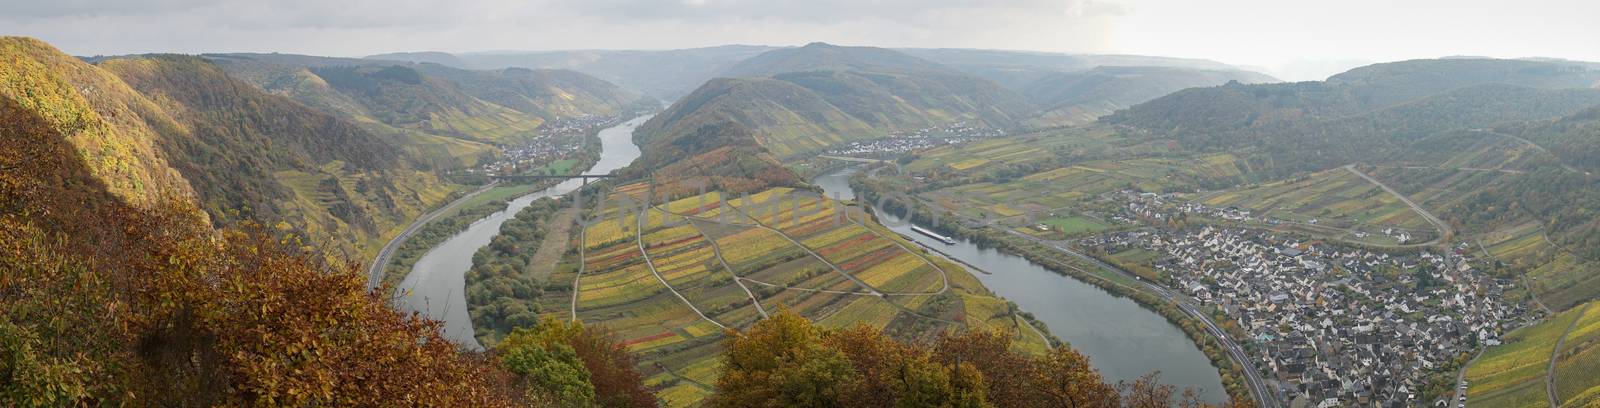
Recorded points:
(1297, 41)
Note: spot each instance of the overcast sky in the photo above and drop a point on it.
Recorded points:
(1288, 38)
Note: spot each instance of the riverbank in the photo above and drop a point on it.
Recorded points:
(398, 256)
(435, 285)
(1230, 371)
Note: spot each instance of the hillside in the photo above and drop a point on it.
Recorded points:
(807, 99)
(1079, 97)
(827, 57)
(255, 156)
(1074, 89)
(1366, 110)
(1493, 146)
(449, 116)
(1386, 84)
(118, 291)
(793, 118)
(547, 93)
(973, 60)
(1077, 89)
(1518, 373)
(666, 75)
(116, 130)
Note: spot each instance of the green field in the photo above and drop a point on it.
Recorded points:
(563, 166)
(1075, 225)
(1332, 198)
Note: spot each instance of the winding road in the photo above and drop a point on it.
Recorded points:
(381, 262)
(1444, 228)
(639, 239)
(1253, 379)
(1550, 372)
(716, 249)
(858, 281)
(1536, 146)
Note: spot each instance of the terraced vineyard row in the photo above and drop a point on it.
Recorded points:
(717, 257)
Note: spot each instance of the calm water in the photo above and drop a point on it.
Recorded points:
(436, 284)
(1123, 339)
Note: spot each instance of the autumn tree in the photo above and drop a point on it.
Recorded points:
(1066, 379)
(606, 370)
(552, 371)
(781, 362)
(1007, 373)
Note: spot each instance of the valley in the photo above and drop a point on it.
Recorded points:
(808, 225)
(435, 286)
(1089, 222)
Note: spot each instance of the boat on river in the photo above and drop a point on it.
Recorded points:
(934, 235)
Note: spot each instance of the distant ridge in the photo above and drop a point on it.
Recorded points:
(662, 74)
(805, 99)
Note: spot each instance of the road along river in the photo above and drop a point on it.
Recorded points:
(436, 285)
(1122, 339)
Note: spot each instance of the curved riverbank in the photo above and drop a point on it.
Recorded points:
(1123, 338)
(435, 286)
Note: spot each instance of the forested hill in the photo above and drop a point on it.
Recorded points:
(719, 154)
(1077, 89)
(548, 93)
(662, 74)
(1397, 82)
(1365, 112)
(828, 57)
(255, 156)
(449, 115)
(1488, 145)
(118, 292)
(810, 98)
(1078, 97)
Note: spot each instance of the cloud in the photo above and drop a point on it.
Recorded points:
(60, 8)
(828, 10)
(356, 27)
(1259, 32)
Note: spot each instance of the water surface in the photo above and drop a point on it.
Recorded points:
(436, 285)
(1123, 339)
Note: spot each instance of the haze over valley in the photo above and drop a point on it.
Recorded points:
(1131, 203)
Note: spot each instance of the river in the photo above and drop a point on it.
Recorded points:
(436, 285)
(1123, 339)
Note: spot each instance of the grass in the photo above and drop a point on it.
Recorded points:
(1061, 187)
(1334, 198)
(1075, 225)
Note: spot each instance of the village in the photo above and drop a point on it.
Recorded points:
(901, 142)
(556, 140)
(1334, 325)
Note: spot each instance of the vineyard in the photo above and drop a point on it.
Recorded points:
(670, 277)
(1334, 197)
